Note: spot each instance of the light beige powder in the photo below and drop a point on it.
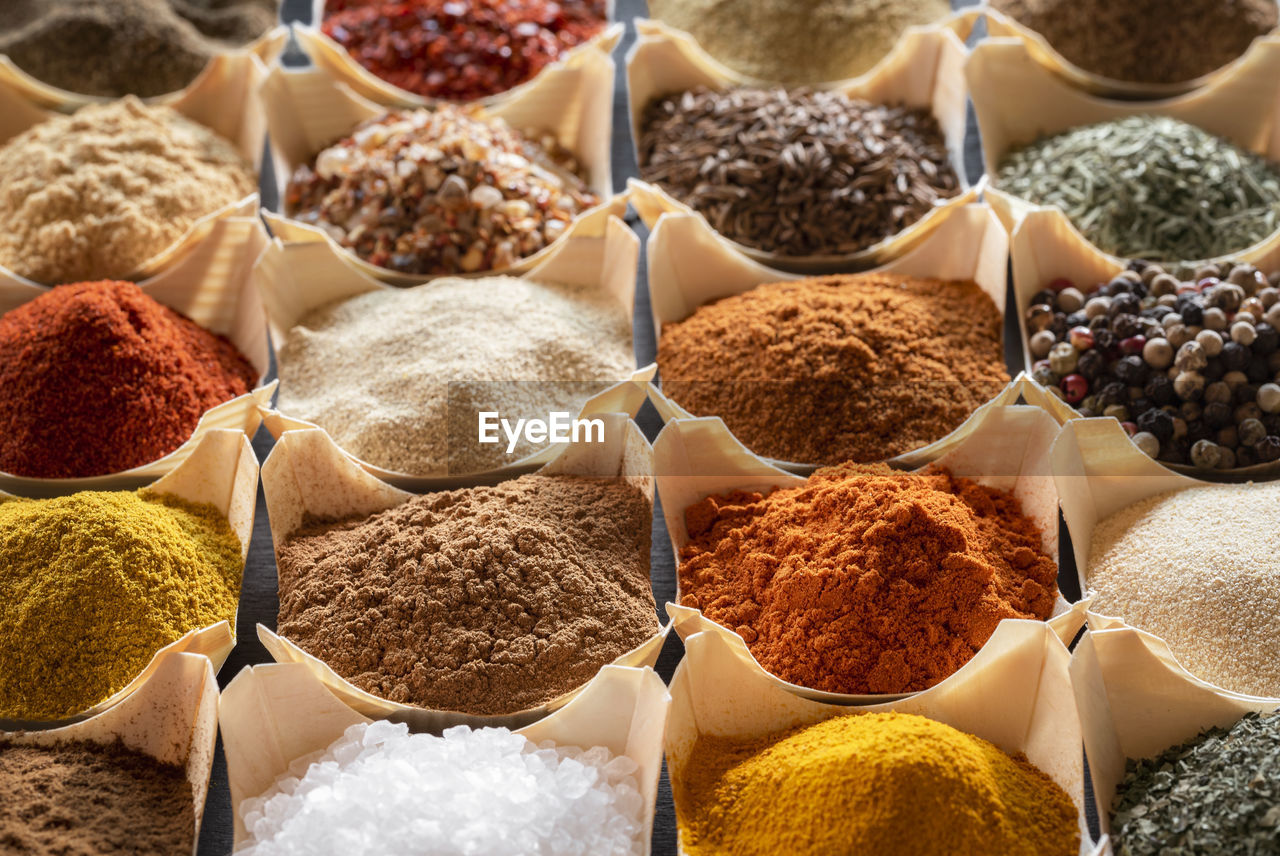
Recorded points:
(96, 194)
(1199, 568)
(397, 377)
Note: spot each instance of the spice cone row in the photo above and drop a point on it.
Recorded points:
(211, 285)
(173, 717)
(1000, 25)
(697, 458)
(222, 471)
(307, 477)
(1018, 101)
(308, 111)
(1100, 476)
(1018, 697)
(922, 71)
(1045, 246)
(296, 279)
(1135, 701)
(690, 267)
(264, 49)
(332, 58)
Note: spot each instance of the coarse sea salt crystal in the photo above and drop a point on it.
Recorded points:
(480, 792)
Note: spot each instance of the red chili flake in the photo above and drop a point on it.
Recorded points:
(98, 377)
(460, 50)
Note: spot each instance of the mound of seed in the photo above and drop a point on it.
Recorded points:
(1150, 187)
(796, 173)
(1200, 568)
(1191, 368)
(440, 191)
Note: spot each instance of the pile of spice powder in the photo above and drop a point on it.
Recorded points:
(92, 799)
(517, 347)
(439, 192)
(1150, 187)
(92, 585)
(100, 192)
(461, 51)
(796, 43)
(865, 580)
(837, 368)
(1178, 566)
(1190, 367)
(1215, 795)
(885, 783)
(1146, 41)
(796, 173)
(482, 792)
(127, 47)
(487, 600)
(98, 378)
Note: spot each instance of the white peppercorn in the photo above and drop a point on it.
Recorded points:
(1147, 443)
(1063, 358)
(1269, 297)
(1040, 344)
(1118, 412)
(1205, 454)
(1269, 398)
(1163, 284)
(1215, 318)
(1171, 319)
(1251, 431)
(1217, 392)
(1097, 306)
(1178, 335)
(1070, 300)
(1191, 357)
(1188, 385)
(1246, 317)
(1234, 379)
(1243, 333)
(1210, 341)
(1273, 315)
(1226, 458)
(1158, 353)
(1169, 300)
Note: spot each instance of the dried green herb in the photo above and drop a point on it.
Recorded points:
(1218, 794)
(1150, 187)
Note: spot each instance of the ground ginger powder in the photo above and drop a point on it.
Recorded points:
(888, 784)
(93, 584)
(866, 580)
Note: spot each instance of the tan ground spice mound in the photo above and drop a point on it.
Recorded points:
(866, 580)
(91, 799)
(96, 194)
(488, 600)
(838, 368)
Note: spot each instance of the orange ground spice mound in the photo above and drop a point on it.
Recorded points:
(866, 580)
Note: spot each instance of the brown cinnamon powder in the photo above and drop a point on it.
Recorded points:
(838, 368)
(487, 600)
(86, 799)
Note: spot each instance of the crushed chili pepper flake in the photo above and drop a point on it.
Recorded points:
(440, 191)
(461, 50)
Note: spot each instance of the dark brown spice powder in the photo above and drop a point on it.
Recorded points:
(838, 368)
(487, 600)
(86, 799)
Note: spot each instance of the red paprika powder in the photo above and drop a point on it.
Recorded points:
(865, 580)
(97, 377)
(461, 50)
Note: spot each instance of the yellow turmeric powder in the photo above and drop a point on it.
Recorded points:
(93, 584)
(887, 784)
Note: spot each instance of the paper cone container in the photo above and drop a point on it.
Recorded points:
(295, 279)
(689, 266)
(1008, 450)
(1046, 246)
(212, 286)
(173, 717)
(1000, 25)
(222, 99)
(923, 70)
(1018, 101)
(1016, 694)
(222, 471)
(310, 110)
(308, 476)
(333, 59)
(265, 48)
(624, 709)
(1135, 701)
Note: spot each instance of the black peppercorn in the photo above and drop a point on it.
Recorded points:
(1245, 393)
(1124, 304)
(1131, 371)
(1059, 325)
(1235, 356)
(1257, 371)
(1267, 449)
(1217, 415)
(1091, 364)
(1192, 313)
(1112, 393)
(1105, 341)
(1158, 423)
(1159, 389)
(1077, 319)
(1267, 341)
(1271, 421)
(1245, 457)
(1126, 325)
(1046, 296)
(1213, 370)
(1099, 323)
(1198, 431)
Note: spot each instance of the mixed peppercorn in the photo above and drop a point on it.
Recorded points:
(1190, 368)
(440, 191)
(461, 50)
